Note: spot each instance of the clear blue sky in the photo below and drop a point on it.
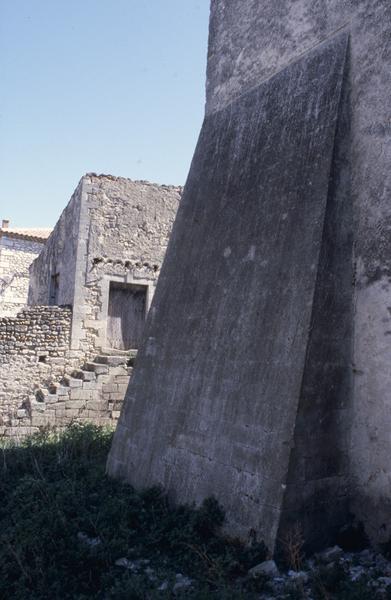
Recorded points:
(109, 86)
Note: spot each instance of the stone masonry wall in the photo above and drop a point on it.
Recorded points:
(93, 393)
(34, 351)
(16, 256)
(44, 383)
(58, 258)
(124, 231)
(113, 229)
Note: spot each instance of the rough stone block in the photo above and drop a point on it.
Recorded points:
(73, 382)
(90, 385)
(122, 379)
(39, 421)
(75, 404)
(116, 396)
(110, 388)
(122, 389)
(80, 394)
(72, 412)
(95, 405)
(62, 391)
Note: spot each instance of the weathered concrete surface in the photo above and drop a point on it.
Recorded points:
(213, 403)
(249, 41)
(317, 493)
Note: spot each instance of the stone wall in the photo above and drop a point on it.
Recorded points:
(16, 256)
(34, 352)
(58, 258)
(124, 233)
(45, 383)
(93, 393)
(113, 229)
(250, 41)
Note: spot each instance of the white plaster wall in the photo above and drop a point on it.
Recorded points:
(16, 256)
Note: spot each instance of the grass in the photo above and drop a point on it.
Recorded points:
(64, 524)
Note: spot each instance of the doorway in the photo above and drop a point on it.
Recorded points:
(126, 315)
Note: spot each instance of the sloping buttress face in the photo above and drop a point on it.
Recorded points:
(213, 401)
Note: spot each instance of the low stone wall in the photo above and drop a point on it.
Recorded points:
(45, 383)
(34, 352)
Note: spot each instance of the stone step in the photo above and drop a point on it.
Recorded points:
(84, 375)
(60, 394)
(51, 398)
(71, 382)
(96, 368)
(115, 352)
(58, 389)
(128, 355)
(111, 361)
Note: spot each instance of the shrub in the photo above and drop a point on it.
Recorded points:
(64, 524)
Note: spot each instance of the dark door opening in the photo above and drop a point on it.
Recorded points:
(54, 289)
(126, 315)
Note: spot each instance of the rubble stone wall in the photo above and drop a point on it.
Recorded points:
(45, 383)
(16, 256)
(34, 351)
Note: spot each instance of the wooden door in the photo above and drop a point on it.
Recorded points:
(126, 315)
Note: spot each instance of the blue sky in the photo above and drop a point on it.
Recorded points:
(109, 86)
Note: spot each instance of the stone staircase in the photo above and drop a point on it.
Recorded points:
(93, 393)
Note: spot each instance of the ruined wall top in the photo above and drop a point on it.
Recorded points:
(101, 177)
(129, 219)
